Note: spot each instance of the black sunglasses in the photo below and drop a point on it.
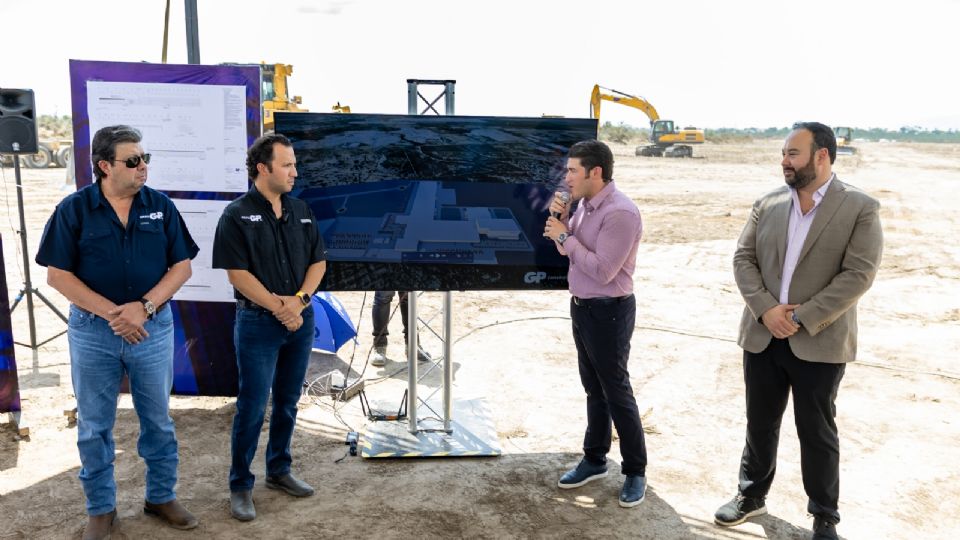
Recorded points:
(134, 162)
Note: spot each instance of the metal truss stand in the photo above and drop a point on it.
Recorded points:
(473, 434)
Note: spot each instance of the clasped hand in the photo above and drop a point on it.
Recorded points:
(289, 312)
(127, 321)
(779, 320)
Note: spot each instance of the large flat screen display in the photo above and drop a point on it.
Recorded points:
(433, 203)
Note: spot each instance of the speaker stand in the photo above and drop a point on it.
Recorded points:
(28, 289)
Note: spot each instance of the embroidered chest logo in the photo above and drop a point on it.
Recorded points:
(153, 215)
(252, 217)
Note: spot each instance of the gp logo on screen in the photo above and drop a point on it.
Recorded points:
(534, 277)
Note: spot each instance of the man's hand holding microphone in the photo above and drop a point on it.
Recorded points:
(559, 213)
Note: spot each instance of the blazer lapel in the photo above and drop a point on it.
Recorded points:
(780, 221)
(832, 201)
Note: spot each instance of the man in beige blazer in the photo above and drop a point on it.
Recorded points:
(808, 252)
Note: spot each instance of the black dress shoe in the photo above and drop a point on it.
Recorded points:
(291, 484)
(241, 505)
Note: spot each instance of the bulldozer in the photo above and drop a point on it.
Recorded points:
(273, 92)
(844, 135)
(666, 139)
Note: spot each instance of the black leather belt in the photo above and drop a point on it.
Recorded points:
(246, 304)
(160, 308)
(601, 301)
(155, 313)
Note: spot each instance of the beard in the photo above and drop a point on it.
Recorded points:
(801, 178)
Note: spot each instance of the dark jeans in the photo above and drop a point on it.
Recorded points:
(380, 313)
(770, 376)
(602, 335)
(269, 357)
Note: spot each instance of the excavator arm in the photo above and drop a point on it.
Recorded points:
(622, 98)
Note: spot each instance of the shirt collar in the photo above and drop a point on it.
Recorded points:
(817, 195)
(261, 200)
(594, 202)
(97, 199)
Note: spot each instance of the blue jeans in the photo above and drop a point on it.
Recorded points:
(98, 360)
(269, 357)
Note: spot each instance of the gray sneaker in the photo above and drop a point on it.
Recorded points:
(379, 358)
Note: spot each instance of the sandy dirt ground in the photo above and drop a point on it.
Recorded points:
(899, 404)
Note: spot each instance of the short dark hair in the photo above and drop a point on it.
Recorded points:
(261, 151)
(104, 145)
(594, 154)
(823, 137)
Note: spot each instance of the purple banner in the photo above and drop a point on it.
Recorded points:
(9, 386)
(204, 357)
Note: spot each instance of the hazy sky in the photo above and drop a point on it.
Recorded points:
(751, 63)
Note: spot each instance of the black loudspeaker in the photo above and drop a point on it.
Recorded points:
(18, 123)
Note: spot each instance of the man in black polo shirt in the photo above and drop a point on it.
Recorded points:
(274, 256)
(118, 251)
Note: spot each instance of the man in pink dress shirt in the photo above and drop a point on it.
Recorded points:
(601, 240)
(809, 250)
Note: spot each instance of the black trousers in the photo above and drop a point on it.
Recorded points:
(770, 377)
(602, 332)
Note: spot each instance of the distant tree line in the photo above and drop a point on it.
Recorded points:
(61, 127)
(625, 133)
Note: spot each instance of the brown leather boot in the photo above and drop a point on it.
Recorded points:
(98, 527)
(173, 513)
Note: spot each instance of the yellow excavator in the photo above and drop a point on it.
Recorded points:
(665, 138)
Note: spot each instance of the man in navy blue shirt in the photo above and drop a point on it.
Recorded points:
(118, 251)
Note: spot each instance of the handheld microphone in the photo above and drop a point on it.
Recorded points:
(564, 198)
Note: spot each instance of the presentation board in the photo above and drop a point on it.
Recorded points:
(197, 122)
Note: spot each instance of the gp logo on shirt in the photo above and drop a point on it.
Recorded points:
(153, 215)
(252, 217)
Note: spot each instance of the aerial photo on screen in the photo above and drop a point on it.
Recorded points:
(433, 203)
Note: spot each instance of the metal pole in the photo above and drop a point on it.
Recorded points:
(449, 89)
(411, 96)
(193, 31)
(166, 28)
(447, 360)
(28, 285)
(412, 344)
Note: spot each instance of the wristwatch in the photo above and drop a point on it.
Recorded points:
(793, 315)
(149, 307)
(562, 238)
(304, 297)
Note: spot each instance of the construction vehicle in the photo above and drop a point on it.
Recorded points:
(345, 109)
(667, 140)
(49, 152)
(273, 92)
(844, 135)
